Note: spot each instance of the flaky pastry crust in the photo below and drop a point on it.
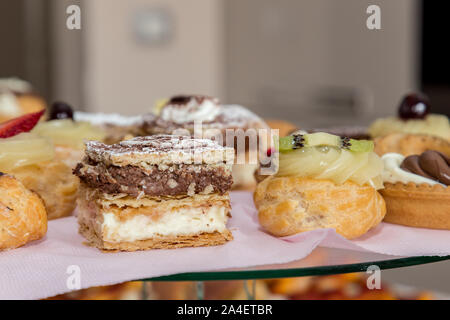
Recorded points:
(54, 182)
(290, 205)
(410, 144)
(423, 206)
(22, 214)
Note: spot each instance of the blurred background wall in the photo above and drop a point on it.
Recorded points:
(312, 62)
(297, 60)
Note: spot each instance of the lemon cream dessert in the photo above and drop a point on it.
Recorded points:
(323, 181)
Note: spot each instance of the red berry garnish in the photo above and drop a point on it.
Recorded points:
(414, 106)
(21, 124)
(269, 152)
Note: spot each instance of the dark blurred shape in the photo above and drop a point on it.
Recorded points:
(435, 55)
(414, 106)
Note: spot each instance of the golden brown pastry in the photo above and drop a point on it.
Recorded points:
(423, 205)
(409, 144)
(31, 158)
(416, 190)
(54, 182)
(22, 214)
(289, 205)
(323, 181)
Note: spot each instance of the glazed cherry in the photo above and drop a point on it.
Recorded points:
(61, 110)
(414, 106)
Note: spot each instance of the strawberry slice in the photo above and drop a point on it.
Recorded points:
(21, 124)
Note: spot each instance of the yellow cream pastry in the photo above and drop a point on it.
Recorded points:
(31, 159)
(433, 124)
(414, 117)
(323, 181)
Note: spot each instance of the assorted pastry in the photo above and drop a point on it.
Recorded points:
(67, 135)
(22, 214)
(416, 189)
(204, 116)
(323, 181)
(161, 191)
(413, 131)
(161, 180)
(18, 98)
(31, 159)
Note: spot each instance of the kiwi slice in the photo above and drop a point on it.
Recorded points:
(323, 139)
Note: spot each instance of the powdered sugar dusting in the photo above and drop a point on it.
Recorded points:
(158, 144)
(99, 119)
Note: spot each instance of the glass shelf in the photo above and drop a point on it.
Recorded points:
(322, 261)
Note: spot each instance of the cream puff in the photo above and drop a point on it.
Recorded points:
(323, 181)
(22, 214)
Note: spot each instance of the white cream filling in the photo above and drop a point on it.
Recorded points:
(392, 172)
(176, 223)
(205, 111)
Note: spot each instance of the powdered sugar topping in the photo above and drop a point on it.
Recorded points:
(99, 119)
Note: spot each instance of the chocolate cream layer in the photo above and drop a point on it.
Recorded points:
(155, 180)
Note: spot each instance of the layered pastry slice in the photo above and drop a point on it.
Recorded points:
(155, 192)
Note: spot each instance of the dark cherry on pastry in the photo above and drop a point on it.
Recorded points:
(414, 106)
(430, 164)
(61, 110)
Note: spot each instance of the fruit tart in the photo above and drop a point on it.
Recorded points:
(323, 181)
(31, 159)
(18, 98)
(416, 189)
(67, 135)
(204, 117)
(413, 131)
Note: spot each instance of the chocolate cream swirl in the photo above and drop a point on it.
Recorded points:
(430, 164)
